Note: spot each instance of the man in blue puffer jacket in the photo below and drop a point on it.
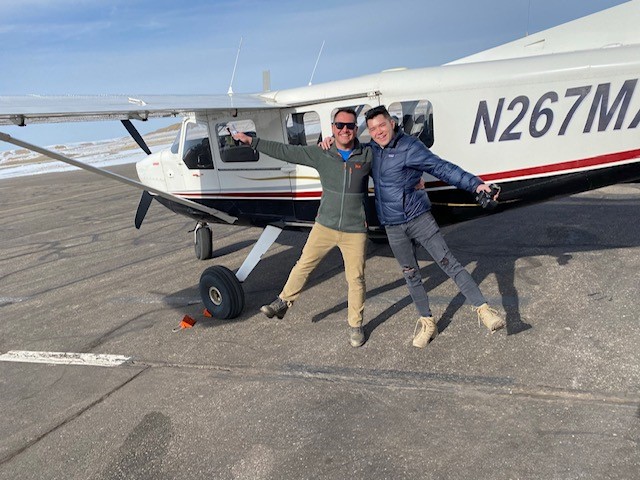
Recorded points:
(399, 161)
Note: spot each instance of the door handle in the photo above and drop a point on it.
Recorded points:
(288, 169)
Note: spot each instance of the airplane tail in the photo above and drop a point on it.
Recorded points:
(614, 27)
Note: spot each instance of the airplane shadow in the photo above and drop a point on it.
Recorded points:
(505, 246)
(236, 247)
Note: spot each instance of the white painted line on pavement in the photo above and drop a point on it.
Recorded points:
(65, 358)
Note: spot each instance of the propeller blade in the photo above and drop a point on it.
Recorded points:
(146, 198)
(133, 131)
(143, 207)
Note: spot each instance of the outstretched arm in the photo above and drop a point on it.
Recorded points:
(486, 187)
(302, 155)
(240, 137)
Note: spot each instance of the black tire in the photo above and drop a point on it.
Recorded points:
(221, 293)
(203, 245)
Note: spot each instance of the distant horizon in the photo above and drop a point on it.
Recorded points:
(99, 153)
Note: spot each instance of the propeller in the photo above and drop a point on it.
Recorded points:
(146, 198)
(143, 207)
(136, 136)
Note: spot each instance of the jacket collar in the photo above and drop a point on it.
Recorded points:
(396, 138)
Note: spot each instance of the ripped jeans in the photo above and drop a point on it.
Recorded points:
(424, 230)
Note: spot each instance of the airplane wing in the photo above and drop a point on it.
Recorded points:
(586, 33)
(25, 109)
(28, 109)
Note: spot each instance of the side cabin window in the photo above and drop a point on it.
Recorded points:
(232, 151)
(363, 132)
(415, 117)
(303, 128)
(197, 149)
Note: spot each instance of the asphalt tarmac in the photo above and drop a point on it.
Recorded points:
(554, 396)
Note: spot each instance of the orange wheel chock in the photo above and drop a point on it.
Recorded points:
(187, 322)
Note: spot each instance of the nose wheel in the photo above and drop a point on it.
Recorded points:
(202, 242)
(221, 292)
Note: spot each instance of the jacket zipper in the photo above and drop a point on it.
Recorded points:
(344, 189)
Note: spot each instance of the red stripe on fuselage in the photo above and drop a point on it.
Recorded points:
(571, 165)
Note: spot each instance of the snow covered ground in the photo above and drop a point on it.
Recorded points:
(104, 153)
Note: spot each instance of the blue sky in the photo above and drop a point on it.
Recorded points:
(161, 46)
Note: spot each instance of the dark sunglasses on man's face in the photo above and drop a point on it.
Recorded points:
(341, 125)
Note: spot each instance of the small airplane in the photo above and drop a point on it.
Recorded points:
(553, 113)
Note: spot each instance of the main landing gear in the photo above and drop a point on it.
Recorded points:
(220, 289)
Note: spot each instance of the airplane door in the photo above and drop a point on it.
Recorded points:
(258, 185)
(190, 170)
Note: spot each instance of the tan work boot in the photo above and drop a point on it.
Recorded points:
(428, 331)
(490, 318)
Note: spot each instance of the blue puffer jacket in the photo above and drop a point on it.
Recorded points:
(397, 168)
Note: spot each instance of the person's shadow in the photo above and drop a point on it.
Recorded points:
(507, 246)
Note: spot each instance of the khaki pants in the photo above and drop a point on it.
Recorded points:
(353, 248)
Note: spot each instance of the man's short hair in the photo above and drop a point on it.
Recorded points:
(379, 110)
(346, 110)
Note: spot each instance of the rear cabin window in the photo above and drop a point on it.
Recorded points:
(197, 149)
(303, 128)
(415, 117)
(231, 150)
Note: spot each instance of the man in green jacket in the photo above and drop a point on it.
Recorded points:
(341, 222)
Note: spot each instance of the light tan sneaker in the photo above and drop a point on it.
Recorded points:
(428, 331)
(490, 318)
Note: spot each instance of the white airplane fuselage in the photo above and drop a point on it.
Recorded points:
(539, 126)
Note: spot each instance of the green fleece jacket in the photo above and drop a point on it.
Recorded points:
(344, 183)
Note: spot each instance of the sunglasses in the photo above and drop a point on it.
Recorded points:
(341, 125)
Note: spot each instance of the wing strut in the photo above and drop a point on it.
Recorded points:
(114, 176)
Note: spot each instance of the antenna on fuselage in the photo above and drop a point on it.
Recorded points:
(316, 65)
(233, 74)
(526, 33)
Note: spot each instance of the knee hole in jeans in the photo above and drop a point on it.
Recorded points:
(410, 274)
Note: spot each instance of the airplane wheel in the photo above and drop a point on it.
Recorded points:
(203, 243)
(221, 292)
